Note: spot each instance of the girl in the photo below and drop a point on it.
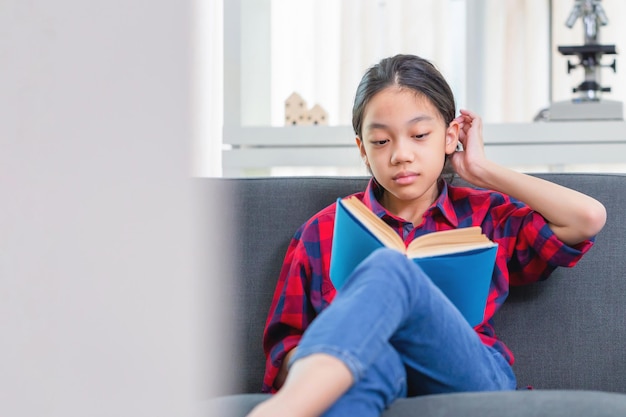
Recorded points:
(390, 332)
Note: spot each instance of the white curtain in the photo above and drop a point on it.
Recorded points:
(374, 29)
(321, 48)
(517, 50)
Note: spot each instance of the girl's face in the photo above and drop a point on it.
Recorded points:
(405, 141)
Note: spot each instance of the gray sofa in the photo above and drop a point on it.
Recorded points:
(568, 333)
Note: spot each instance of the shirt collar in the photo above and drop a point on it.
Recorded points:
(443, 203)
(373, 192)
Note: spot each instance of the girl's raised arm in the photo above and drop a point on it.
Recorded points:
(573, 216)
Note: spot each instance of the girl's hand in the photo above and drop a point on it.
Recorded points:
(471, 161)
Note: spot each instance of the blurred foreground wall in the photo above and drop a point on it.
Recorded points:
(104, 258)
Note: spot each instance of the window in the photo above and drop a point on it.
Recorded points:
(499, 57)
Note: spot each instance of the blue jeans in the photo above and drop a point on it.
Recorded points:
(399, 335)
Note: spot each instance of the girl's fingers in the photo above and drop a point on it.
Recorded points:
(468, 113)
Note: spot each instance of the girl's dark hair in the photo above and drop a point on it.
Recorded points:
(404, 71)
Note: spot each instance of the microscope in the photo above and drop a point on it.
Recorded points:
(587, 104)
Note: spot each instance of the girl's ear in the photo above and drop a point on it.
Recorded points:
(452, 137)
(359, 144)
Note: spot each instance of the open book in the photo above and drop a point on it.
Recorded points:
(459, 261)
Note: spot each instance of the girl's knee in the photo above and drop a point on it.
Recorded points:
(387, 258)
(391, 268)
(394, 264)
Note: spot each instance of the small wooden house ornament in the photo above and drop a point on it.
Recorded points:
(298, 114)
(318, 116)
(295, 110)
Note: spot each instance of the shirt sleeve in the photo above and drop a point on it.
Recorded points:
(534, 250)
(297, 299)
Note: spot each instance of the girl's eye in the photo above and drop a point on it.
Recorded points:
(422, 136)
(380, 142)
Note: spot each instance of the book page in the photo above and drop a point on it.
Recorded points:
(445, 249)
(449, 241)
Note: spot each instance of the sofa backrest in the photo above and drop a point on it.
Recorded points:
(568, 332)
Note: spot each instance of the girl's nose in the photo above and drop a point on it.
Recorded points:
(402, 152)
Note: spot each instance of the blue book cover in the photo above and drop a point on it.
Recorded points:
(462, 271)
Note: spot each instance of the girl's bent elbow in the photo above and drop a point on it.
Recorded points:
(595, 219)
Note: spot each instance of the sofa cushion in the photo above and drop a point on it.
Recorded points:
(555, 403)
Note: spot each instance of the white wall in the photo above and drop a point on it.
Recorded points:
(98, 218)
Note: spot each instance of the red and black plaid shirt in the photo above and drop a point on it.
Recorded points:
(528, 251)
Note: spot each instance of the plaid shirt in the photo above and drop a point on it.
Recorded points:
(528, 251)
